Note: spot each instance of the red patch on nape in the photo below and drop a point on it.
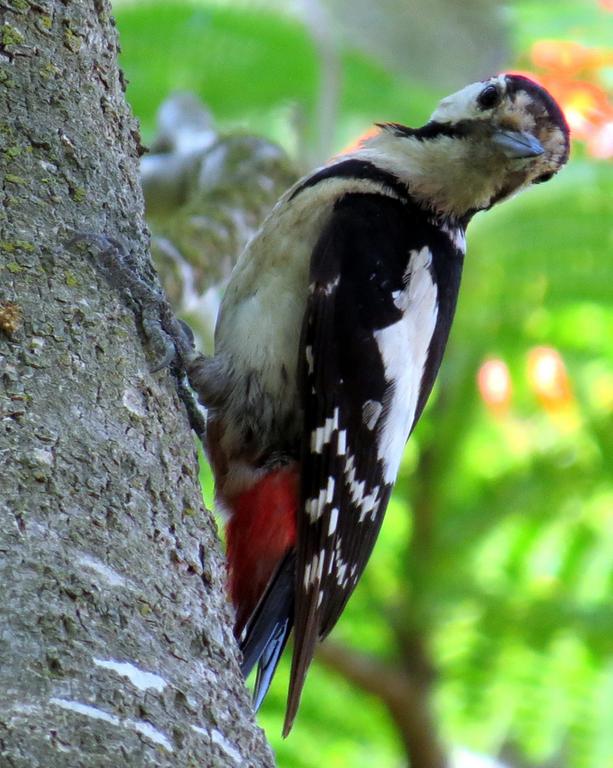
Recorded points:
(261, 529)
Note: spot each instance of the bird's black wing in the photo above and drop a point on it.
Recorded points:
(366, 361)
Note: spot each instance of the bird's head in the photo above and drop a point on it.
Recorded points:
(481, 145)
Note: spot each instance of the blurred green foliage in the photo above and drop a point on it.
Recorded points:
(513, 591)
(254, 68)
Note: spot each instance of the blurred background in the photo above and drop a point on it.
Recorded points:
(482, 631)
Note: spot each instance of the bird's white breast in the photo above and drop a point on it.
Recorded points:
(262, 311)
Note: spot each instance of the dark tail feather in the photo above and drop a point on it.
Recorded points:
(304, 647)
(269, 660)
(267, 631)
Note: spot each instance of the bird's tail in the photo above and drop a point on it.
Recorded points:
(266, 633)
(261, 537)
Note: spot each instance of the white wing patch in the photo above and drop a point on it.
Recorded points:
(404, 350)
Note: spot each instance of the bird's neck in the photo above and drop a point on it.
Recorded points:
(446, 174)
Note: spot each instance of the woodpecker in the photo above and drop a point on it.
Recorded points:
(329, 338)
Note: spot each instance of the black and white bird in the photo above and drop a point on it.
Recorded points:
(330, 336)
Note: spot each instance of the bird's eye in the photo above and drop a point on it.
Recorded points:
(489, 97)
(543, 177)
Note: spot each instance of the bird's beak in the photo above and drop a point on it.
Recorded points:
(517, 144)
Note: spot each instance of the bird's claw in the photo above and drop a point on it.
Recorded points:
(160, 341)
(170, 337)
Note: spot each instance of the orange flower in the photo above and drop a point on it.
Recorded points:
(571, 72)
(564, 57)
(585, 105)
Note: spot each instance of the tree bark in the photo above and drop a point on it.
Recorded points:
(115, 641)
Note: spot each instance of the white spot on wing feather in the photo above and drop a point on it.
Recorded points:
(322, 435)
(342, 442)
(366, 502)
(333, 521)
(312, 571)
(330, 490)
(320, 569)
(341, 569)
(307, 577)
(332, 285)
(315, 507)
(308, 353)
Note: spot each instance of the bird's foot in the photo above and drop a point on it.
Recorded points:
(170, 338)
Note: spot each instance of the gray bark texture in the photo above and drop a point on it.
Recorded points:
(115, 640)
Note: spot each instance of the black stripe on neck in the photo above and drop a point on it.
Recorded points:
(355, 169)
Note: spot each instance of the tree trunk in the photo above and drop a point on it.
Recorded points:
(115, 641)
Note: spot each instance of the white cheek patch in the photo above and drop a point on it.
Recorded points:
(459, 106)
(462, 105)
